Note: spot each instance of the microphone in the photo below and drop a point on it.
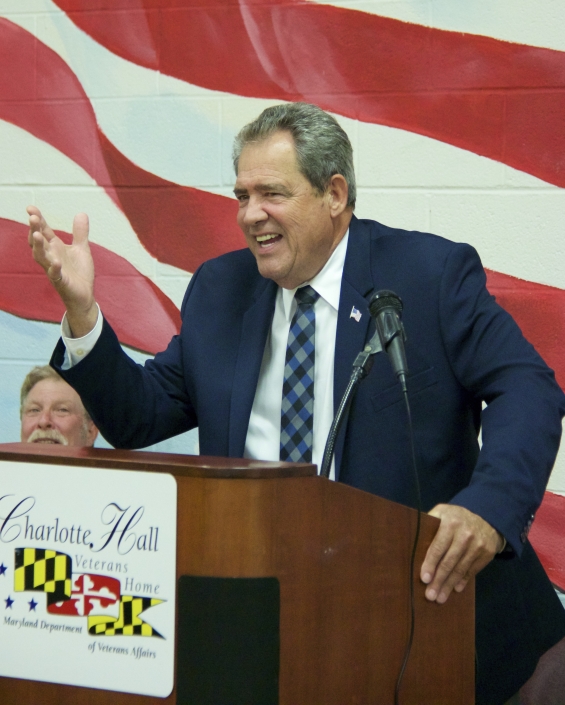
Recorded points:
(386, 308)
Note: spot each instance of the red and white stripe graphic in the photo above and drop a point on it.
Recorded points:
(127, 110)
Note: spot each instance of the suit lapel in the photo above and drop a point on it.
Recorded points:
(356, 284)
(254, 330)
(351, 335)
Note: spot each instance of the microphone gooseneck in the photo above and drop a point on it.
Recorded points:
(386, 308)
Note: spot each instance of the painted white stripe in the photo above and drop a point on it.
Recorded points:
(32, 171)
(406, 180)
(514, 220)
(183, 133)
(178, 137)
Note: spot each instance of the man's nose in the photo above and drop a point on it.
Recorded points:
(45, 419)
(254, 211)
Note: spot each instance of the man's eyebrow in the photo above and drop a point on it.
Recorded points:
(264, 188)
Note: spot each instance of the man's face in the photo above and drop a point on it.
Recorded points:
(287, 224)
(53, 413)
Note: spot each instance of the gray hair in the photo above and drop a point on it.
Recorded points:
(38, 374)
(322, 147)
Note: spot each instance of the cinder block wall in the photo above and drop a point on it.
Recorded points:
(455, 111)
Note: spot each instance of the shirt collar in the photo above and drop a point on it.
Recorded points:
(327, 282)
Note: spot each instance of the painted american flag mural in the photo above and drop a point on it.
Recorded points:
(126, 109)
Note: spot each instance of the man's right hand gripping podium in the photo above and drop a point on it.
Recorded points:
(269, 335)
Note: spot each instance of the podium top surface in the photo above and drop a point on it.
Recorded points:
(184, 465)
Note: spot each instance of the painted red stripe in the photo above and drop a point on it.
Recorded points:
(539, 310)
(498, 99)
(548, 537)
(39, 93)
(129, 300)
(178, 225)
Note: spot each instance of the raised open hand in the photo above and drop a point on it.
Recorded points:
(70, 268)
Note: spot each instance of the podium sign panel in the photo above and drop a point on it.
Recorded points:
(87, 577)
(291, 588)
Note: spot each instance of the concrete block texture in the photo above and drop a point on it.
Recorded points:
(455, 111)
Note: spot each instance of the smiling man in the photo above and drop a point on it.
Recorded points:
(268, 339)
(51, 411)
(278, 205)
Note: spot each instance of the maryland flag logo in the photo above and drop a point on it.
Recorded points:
(96, 597)
(41, 570)
(129, 622)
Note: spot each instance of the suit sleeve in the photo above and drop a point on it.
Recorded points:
(133, 405)
(521, 419)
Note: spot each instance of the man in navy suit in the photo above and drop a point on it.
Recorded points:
(224, 373)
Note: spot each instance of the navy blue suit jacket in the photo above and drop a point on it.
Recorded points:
(462, 350)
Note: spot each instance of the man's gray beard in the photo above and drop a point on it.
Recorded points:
(52, 435)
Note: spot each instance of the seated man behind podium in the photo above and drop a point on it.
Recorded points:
(52, 412)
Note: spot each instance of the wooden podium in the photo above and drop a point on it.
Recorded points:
(341, 557)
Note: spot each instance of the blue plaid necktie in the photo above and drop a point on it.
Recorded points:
(297, 411)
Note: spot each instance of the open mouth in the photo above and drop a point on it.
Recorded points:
(51, 441)
(268, 239)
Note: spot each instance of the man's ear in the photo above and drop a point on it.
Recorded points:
(338, 193)
(91, 433)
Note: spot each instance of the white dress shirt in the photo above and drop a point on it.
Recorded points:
(264, 431)
(76, 349)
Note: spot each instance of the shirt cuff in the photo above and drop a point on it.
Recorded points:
(76, 349)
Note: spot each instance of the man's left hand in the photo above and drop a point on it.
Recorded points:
(463, 545)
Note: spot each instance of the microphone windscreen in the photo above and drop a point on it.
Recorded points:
(384, 299)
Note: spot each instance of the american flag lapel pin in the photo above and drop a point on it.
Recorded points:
(356, 314)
